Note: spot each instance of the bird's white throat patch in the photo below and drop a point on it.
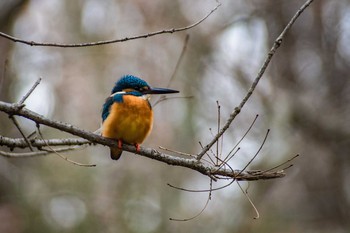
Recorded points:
(145, 97)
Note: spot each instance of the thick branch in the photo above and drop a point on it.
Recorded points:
(194, 164)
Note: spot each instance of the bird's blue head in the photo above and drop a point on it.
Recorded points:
(130, 82)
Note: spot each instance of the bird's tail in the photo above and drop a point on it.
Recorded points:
(116, 153)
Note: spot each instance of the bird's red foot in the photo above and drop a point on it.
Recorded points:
(137, 146)
(120, 144)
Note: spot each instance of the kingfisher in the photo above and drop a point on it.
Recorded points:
(127, 114)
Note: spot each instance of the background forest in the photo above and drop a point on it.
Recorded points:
(304, 98)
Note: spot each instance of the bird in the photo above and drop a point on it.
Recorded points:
(127, 114)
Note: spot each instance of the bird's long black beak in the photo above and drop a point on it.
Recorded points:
(156, 90)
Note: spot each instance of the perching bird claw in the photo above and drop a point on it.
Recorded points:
(137, 146)
(120, 144)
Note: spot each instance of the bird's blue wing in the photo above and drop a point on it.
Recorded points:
(108, 103)
(106, 107)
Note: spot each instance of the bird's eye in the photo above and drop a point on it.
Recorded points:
(145, 88)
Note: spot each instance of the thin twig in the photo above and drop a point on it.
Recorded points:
(226, 160)
(245, 192)
(168, 31)
(180, 153)
(4, 74)
(164, 97)
(34, 153)
(21, 131)
(184, 47)
(20, 105)
(29, 92)
(218, 130)
(279, 165)
(212, 161)
(256, 154)
(201, 211)
(177, 152)
(61, 156)
(211, 188)
(230, 155)
(262, 70)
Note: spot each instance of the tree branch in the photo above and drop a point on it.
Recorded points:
(34, 153)
(262, 70)
(38, 143)
(192, 163)
(105, 42)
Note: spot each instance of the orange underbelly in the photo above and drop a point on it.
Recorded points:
(131, 121)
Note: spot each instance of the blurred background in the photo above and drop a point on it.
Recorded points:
(303, 98)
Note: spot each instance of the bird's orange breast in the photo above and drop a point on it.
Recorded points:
(130, 120)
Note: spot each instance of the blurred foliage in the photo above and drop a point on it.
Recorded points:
(304, 98)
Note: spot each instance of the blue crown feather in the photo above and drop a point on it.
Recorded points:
(129, 81)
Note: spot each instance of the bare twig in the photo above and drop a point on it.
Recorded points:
(231, 154)
(212, 161)
(164, 97)
(222, 138)
(201, 211)
(21, 132)
(21, 105)
(256, 154)
(61, 156)
(36, 142)
(245, 192)
(262, 70)
(29, 92)
(183, 153)
(280, 165)
(34, 153)
(167, 31)
(177, 152)
(180, 59)
(211, 188)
